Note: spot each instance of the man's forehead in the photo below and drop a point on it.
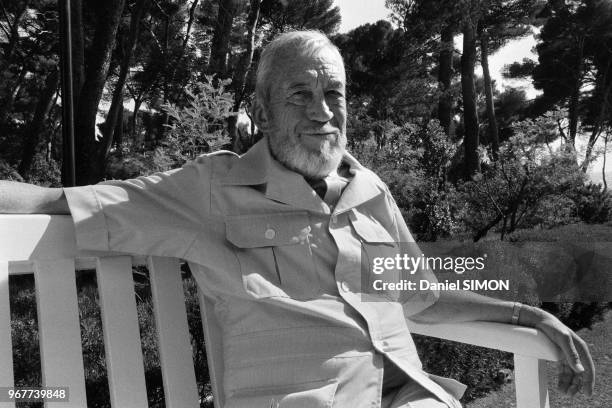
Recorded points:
(298, 73)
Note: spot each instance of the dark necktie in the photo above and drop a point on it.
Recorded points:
(328, 188)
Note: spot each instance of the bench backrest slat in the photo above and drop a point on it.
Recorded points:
(6, 344)
(124, 362)
(61, 356)
(176, 357)
(213, 339)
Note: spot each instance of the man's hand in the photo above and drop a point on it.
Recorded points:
(577, 371)
(21, 198)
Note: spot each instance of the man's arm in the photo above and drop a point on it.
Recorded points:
(576, 371)
(21, 198)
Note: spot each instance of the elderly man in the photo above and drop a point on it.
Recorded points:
(276, 236)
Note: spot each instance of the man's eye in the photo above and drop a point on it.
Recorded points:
(299, 97)
(334, 94)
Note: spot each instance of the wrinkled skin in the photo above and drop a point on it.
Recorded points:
(305, 119)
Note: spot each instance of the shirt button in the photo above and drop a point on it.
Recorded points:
(345, 287)
(270, 233)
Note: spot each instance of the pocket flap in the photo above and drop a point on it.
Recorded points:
(452, 386)
(316, 394)
(369, 229)
(267, 230)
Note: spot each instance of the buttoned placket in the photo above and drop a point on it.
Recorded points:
(350, 260)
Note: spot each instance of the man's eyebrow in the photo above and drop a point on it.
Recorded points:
(335, 84)
(300, 84)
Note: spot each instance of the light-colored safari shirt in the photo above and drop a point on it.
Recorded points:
(282, 269)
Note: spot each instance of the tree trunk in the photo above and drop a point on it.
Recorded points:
(603, 166)
(221, 38)
(78, 48)
(242, 70)
(88, 151)
(32, 132)
(575, 96)
(603, 86)
(488, 87)
(116, 108)
(470, 116)
(445, 75)
(133, 119)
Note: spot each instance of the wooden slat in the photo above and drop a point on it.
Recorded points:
(214, 348)
(6, 348)
(180, 387)
(36, 237)
(514, 339)
(121, 333)
(41, 237)
(59, 329)
(531, 382)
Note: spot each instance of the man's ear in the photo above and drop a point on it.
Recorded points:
(261, 116)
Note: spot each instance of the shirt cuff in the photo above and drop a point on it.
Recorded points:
(89, 221)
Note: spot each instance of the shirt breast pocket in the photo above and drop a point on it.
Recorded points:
(379, 256)
(275, 254)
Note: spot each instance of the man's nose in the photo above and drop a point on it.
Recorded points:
(319, 110)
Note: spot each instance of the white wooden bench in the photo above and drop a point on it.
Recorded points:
(45, 246)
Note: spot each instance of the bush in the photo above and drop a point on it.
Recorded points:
(523, 187)
(482, 370)
(412, 160)
(575, 315)
(593, 204)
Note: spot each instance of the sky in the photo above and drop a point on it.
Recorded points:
(357, 12)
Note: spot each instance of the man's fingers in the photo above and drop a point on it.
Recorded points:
(571, 354)
(588, 380)
(565, 377)
(575, 384)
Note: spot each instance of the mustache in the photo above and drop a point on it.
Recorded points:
(320, 130)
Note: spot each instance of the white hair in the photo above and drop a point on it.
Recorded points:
(280, 49)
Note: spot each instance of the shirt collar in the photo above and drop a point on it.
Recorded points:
(258, 167)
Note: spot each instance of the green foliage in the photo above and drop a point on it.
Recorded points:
(45, 172)
(413, 161)
(481, 369)
(524, 184)
(593, 204)
(576, 315)
(198, 126)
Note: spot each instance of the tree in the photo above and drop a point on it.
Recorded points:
(220, 50)
(127, 46)
(471, 138)
(239, 79)
(279, 16)
(424, 21)
(91, 153)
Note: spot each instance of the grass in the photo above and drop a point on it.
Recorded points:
(599, 340)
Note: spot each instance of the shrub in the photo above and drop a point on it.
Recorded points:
(481, 369)
(575, 315)
(413, 160)
(593, 204)
(199, 126)
(521, 188)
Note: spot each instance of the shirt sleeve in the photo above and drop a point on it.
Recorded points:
(154, 215)
(413, 301)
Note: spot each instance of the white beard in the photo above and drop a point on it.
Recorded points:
(308, 163)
